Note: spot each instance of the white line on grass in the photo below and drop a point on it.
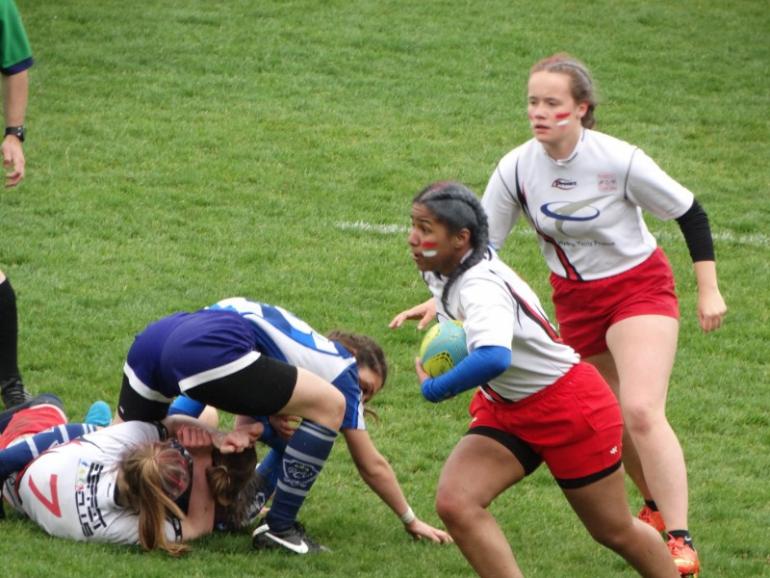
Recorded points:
(753, 240)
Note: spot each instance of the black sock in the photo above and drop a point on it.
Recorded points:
(684, 534)
(651, 505)
(9, 333)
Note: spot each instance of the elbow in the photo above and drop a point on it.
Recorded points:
(373, 471)
(498, 360)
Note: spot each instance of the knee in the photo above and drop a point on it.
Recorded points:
(453, 506)
(336, 407)
(447, 506)
(614, 538)
(640, 418)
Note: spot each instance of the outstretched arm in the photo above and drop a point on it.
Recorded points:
(380, 477)
(425, 312)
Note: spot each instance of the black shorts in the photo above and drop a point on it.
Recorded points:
(261, 388)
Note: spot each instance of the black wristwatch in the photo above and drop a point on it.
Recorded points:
(17, 131)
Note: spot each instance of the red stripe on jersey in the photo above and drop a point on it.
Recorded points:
(569, 268)
(535, 315)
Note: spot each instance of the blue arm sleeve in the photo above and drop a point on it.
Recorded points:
(16, 457)
(479, 367)
(186, 406)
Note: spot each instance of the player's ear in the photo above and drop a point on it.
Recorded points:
(462, 239)
(582, 109)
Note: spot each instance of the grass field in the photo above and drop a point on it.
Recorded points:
(182, 152)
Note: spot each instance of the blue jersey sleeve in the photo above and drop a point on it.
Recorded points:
(479, 367)
(18, 456)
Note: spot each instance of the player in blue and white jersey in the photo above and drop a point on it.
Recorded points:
(214, 356)
(584, 192)
(356, 366)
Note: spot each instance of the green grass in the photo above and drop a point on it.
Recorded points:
(182, 152)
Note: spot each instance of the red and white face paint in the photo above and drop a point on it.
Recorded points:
(429, 249)
(562, 118)
(431, 245)
(554, 115)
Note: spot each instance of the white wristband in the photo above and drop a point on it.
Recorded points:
(408, 517)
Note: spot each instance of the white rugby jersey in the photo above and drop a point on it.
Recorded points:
(498, 308)
(586, 209)
(282, 335)
(70, 490)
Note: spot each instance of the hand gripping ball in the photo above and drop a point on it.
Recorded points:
(443, 347)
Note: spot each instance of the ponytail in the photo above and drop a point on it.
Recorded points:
(230, 478)
(149, 475)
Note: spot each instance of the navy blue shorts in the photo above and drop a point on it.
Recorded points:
(211, 357)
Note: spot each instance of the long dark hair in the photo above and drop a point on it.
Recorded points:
(231, 478)
(457, 207)
(367, 352)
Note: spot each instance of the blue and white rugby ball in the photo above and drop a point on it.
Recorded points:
(443, 347)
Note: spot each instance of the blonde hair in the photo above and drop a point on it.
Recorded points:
(151, 476)
(581, 82)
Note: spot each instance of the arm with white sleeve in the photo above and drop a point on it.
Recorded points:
(500, 202)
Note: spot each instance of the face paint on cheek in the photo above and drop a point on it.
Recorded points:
(562, 119)
(429, 249)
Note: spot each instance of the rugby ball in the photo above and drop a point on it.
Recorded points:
(443, 347)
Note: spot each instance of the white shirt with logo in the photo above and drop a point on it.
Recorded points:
(586, 209)
(498, 308)
(70, 490)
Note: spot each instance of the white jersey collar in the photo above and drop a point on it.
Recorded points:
(565, 161)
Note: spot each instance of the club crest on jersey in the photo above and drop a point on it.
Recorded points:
(297, 473)
(563, 184)
(607, 182)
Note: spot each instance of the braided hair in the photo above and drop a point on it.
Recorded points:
(457, 207)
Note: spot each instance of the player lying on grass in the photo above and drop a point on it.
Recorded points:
(127, 484)
(535, 401)
(14, 456)
(214, 356)
(356, 366)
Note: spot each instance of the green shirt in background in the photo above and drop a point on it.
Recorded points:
(15, 52)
